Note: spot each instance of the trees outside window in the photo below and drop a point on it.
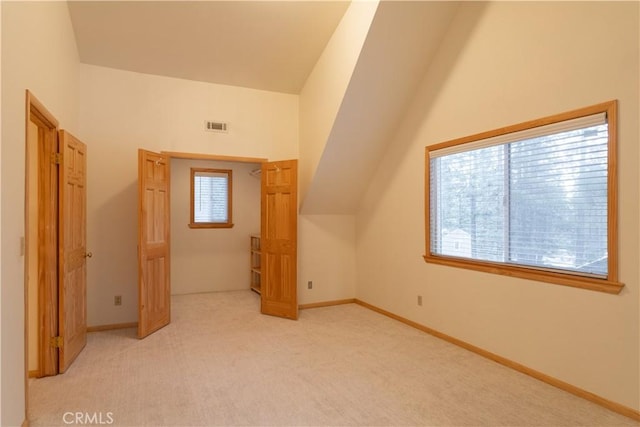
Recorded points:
(536, 199)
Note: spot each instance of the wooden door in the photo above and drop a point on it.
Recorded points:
(154, 292)
(279, 230)
(72, 249)
(47, 236)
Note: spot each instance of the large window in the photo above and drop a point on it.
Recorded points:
(535, 200)
(211, 198)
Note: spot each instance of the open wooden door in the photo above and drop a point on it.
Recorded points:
(72, 249)
(279, 238)
(43, 234)
(154, 291)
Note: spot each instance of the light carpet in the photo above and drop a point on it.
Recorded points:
(220, 362)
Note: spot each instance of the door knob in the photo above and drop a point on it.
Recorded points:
(88, 255)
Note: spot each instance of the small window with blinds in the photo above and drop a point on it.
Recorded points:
(535, 200)
(211, 198)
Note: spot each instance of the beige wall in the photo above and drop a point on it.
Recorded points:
(39, 54)
(501, 64)
(326, 256)
(325, 87)
(213, 259)
(326, 243)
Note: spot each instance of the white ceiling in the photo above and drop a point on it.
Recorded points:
(268, 45)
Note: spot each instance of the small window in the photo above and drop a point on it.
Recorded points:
(535, 200)
(211, 198)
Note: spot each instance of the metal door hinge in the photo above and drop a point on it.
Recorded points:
(55, 158)
(56, 342)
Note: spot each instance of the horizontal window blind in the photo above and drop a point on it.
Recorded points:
(536, 132)
(536, 198)
(210, 197)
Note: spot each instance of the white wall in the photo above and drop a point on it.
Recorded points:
(39, 54)
(212, 259)
(501, 64)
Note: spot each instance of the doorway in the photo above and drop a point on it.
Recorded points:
(212, 259)
(54, 246)
(41, 239)
(278, 229)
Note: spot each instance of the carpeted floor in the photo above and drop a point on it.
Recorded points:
(222, 363)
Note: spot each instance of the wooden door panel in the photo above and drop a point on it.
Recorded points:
(154, 305)
(72, 242)
(278, 267)
(156, 311)
(279, 215)
(47, 259)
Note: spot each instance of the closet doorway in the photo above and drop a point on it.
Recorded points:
(278, 229)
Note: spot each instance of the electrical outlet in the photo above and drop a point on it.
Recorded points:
(420, 300)
(310, 284)
(117, 300)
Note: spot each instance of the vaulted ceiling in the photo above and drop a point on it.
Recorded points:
(269, 45)
(401, 42)
(274, 45)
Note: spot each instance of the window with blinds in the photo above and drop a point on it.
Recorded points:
(535, 200)
(211, 198)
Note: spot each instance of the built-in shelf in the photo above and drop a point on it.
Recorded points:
(255, 263)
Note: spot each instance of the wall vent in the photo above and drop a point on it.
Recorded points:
(211, 126)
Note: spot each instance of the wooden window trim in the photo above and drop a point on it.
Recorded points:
(608, 285)
(229, 222)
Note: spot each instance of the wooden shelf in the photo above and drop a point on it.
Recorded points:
(255, 260)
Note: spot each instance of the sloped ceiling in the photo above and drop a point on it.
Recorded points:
(274, 45)
(401, 42)
(268, 45)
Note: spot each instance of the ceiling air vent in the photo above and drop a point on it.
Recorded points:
(211, 126)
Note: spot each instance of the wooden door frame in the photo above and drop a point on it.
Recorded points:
(262, 162)
(37, 113)
(201, 156)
